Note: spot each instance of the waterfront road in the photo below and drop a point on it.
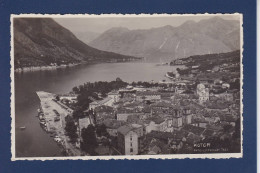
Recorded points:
(49, 105)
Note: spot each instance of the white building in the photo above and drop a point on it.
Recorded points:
(225, 96)
(156, 124)
(148, 95)
(108, 101)
(203, 93)
(226, 85)
(114, 95)
(71, 97)
(127, 140)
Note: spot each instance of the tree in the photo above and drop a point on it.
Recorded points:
(89, 141)
(101, 130)
(134, 84)
(235, 84)
(227, 128)
(57, 98)
(118, 79)
(75, 90)
(71, 128)
(77, 113)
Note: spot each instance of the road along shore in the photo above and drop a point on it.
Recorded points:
(53, 119)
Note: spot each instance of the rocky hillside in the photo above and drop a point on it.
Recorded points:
(42, 41)
(86, 36)
(214, 35)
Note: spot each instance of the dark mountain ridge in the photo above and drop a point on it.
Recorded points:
(42, 41)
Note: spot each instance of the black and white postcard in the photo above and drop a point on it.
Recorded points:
(112, 86)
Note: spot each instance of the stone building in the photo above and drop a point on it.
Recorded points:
(127, 140)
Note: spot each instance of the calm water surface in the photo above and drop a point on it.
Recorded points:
(33, 141)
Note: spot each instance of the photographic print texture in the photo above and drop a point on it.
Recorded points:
(126, 86)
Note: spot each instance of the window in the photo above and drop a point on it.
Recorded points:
(131, 150)
(131, 144)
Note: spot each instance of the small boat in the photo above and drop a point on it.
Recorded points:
(22, 128)
(41, 117)
(162, 63)
(170, 75)
(43, 123)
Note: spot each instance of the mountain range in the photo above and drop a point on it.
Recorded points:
(42, 41)
(214, 35)
(86, 36)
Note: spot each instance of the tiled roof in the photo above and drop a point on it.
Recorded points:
(196, 130)
(103, 108)
(187, 92)
(134, 104)
(147, 109)
(113, 124)
(176, 135)
(129, 127)
(160, 135)
(192, 138)
(154, 149)
(198, 120)
(143, 93)
(113, 92)
(122, 110)
(133, 118)
(102, 150)
(208, 133)
(227, 118)
(156, 120)
(163, 104)
(158, 147)
(217, 105)
(166, 94)
(136, 126)
(124, 129)
(104, 100)
(214, 127)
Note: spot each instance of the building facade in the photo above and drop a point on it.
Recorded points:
(127, 140)
(148, 95)
(114, 95)
(203, 93)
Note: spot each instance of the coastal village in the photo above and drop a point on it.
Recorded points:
(197, 110)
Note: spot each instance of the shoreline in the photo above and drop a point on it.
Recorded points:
(44, 68)
(50, 111)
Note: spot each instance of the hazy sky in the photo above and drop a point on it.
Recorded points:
(100, 24)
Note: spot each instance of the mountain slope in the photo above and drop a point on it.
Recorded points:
(214, 35)
(86, 36)
(42, 41)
